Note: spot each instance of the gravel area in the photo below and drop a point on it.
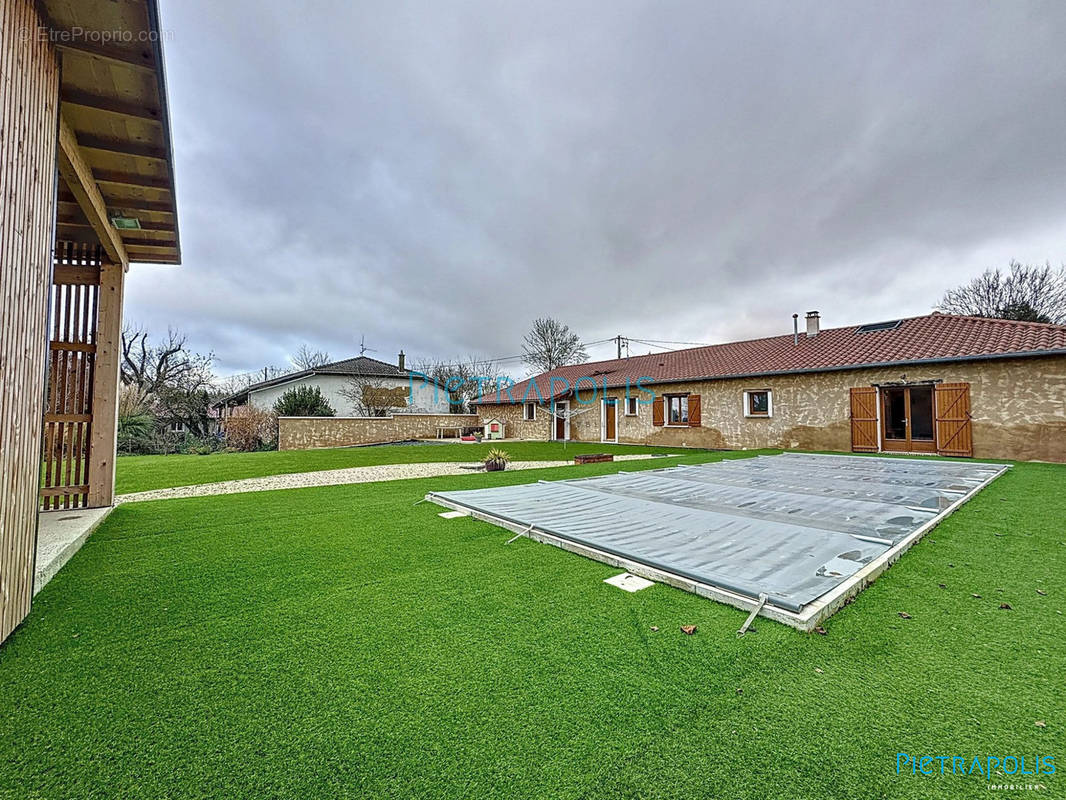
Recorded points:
(337, 477)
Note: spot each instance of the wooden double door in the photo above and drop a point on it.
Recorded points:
(918, 418)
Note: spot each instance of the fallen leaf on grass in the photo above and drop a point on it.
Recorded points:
(688, 630)
(1040, 723)
(905, 615)
(819, 670)
(655, 627)
(942, 585)
(1005, 607)
(976, 595)
(820, 631)
(1041, 592)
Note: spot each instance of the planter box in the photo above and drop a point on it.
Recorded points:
(593, 458)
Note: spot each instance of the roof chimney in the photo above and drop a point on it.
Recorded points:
(812, 324)
(795, 330)
(400, 360)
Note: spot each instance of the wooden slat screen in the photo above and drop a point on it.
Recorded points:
(864, 419)
(71, 370)
(954, 424)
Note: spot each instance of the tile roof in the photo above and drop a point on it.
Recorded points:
(934, 337)
(360, 365)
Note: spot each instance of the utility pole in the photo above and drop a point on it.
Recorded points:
(618, 344)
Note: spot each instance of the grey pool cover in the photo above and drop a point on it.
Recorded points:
(791, 526)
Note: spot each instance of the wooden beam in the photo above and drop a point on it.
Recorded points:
(151, 244)
(110, 105)
(79, 178)
(105, 386)
(133, 205)
(142, 62)
(146, 225)
(121, 148)
(82, 276)
(130, 179)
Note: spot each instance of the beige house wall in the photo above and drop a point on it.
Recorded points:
(1018, 408)
(306, 433)
(514, 426)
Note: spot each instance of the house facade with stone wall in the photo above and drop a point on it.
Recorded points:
(957, 386)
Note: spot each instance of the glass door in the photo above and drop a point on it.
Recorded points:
(907, 419)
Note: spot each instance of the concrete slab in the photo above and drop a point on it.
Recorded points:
(60, 534)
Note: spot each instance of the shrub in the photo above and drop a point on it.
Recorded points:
(303, 401)
(249, 429)
(136, 425)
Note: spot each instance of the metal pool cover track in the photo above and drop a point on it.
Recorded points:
(808, 531)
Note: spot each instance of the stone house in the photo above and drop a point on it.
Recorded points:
(953, 385)
(392, 385)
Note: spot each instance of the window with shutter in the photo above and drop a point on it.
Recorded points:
(676, 409)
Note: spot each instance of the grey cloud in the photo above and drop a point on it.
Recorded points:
(436, 175)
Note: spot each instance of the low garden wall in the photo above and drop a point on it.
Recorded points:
(306, 433)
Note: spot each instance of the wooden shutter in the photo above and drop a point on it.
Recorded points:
(657, 416)
(954, 423)
(693, 410)
(864, 419)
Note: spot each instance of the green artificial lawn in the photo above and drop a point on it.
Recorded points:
(141, 473)
(344, 642)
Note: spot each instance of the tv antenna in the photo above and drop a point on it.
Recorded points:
(362, 346)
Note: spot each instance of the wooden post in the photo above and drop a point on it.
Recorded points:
(105, 387)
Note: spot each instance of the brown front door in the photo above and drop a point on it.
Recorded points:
(610, 417)
(560, 421)
(907, 419)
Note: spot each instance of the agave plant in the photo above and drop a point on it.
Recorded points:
(496, 460)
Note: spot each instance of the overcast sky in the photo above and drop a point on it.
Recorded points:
(433, 175)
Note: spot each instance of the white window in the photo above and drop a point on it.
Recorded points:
(529, 411)
(758, 403)
(677, 409)
(631, 406)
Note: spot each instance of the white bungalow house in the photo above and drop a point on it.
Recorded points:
(406, 394)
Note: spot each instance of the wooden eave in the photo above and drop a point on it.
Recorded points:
(113, 101)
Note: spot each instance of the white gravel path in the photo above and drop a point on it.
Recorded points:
(337, 477)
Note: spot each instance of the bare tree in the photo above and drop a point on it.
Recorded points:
(371, 397)
(150, 367)
(1022, 292)
(464, 380)
(174, 383)
(550, 344)
(306, 357)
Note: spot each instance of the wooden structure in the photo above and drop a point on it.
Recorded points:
(924, 417)
(86, 187)
(593, 458)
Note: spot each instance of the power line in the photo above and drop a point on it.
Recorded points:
(668, 341)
